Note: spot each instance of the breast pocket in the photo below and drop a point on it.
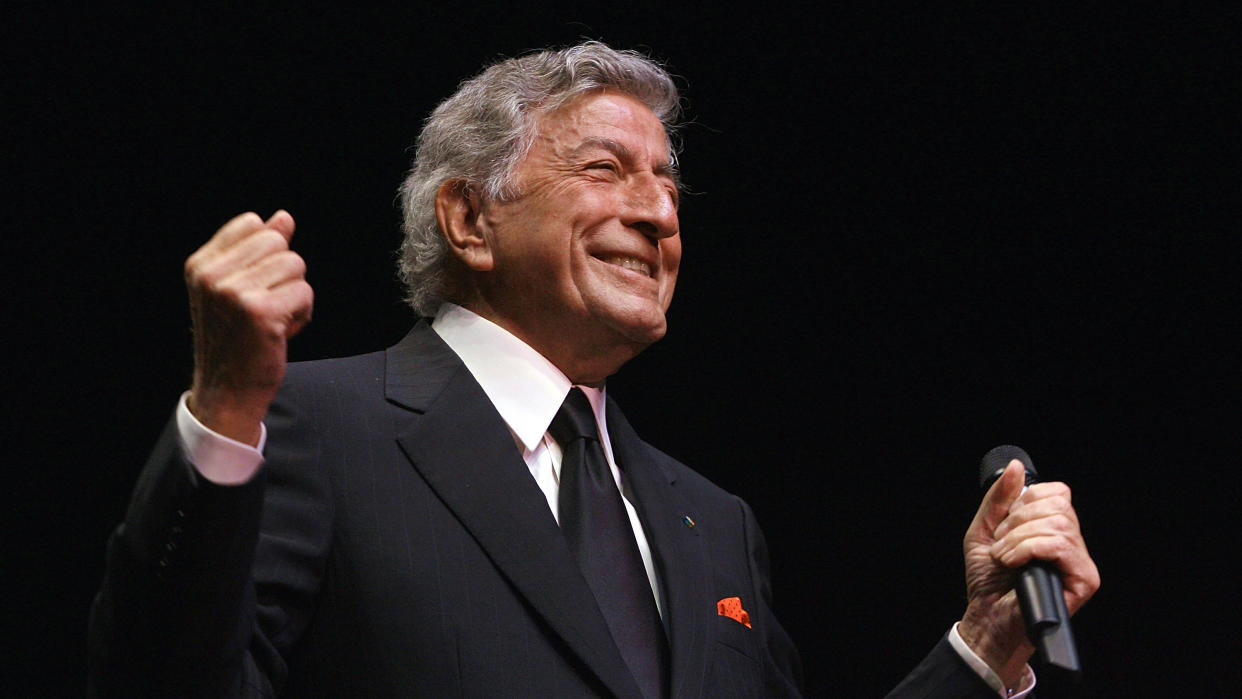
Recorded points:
(736, 670)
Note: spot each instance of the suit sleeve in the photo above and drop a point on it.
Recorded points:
(179, 612)
(942, 675)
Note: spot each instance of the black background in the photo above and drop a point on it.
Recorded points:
(917, 233)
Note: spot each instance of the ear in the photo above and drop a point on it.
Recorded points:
(458, 208)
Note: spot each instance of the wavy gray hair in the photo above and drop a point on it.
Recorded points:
(483, 131)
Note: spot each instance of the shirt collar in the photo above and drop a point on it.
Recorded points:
(522, 384)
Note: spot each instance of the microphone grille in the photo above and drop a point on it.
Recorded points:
(995, 461)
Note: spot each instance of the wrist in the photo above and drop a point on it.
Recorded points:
(236, 416)
(996, 635)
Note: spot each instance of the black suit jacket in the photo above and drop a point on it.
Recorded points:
(394, 543)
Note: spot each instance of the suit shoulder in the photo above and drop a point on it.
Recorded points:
(692, 481)
(342, 373)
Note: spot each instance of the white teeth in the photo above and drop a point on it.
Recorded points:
(630, 263)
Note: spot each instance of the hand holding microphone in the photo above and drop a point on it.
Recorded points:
(1038, 585)
(1034, 529)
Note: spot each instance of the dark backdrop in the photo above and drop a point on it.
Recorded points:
(915, 234)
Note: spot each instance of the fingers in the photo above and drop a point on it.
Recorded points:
(1042, 525)
(240, 228)
(237, 228)
(299, 298)
(1047, 538)
(245, 242)
(1079, 576)
(275, 269)
(261, 261)
(247, 272)
(1040, 500)
(287, 306)
(218, 265)
(281, 221)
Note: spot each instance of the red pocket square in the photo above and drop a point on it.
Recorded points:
(732, 608)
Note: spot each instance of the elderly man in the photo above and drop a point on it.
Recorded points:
(467, 513)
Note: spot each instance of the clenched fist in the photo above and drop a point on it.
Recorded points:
(248, 296)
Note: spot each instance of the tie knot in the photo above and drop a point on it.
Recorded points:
(574, 419)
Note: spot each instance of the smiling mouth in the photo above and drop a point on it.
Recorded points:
(631, 263)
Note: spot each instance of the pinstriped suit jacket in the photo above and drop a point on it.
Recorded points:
(394, 543)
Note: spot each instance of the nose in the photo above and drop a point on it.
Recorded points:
(651, 207)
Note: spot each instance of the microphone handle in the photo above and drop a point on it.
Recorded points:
(1047, 620)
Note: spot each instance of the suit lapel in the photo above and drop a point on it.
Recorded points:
(462, 448)
(681, 554)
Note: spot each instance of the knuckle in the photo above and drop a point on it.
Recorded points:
(1017, 555)
(238, 225)
(273, 239)
(1093, 579)
(247, 219)
(196, 266)
(293, 262)
(265, 243)
(1059, 548)
(234, 294)
(202, 278)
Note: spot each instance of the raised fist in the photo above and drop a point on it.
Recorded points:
(248, 296)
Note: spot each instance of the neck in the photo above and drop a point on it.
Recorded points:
(583, 361)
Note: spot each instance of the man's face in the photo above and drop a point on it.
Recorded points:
(585, 258)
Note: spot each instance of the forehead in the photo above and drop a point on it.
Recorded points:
(601, 118)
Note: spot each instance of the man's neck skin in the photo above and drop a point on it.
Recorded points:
(583, 363)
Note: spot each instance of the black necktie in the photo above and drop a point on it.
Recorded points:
(595, 524)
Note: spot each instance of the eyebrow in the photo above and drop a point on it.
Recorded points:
(667, 168)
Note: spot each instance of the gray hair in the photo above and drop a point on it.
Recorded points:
(483, 131)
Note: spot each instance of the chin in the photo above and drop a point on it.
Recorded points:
(633, 322)
(644, 334)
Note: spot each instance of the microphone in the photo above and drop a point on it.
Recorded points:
(1038, 584)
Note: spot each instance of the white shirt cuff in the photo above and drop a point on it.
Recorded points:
(1025, 685)
(217, 458)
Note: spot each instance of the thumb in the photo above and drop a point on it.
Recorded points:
(1001, 496)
